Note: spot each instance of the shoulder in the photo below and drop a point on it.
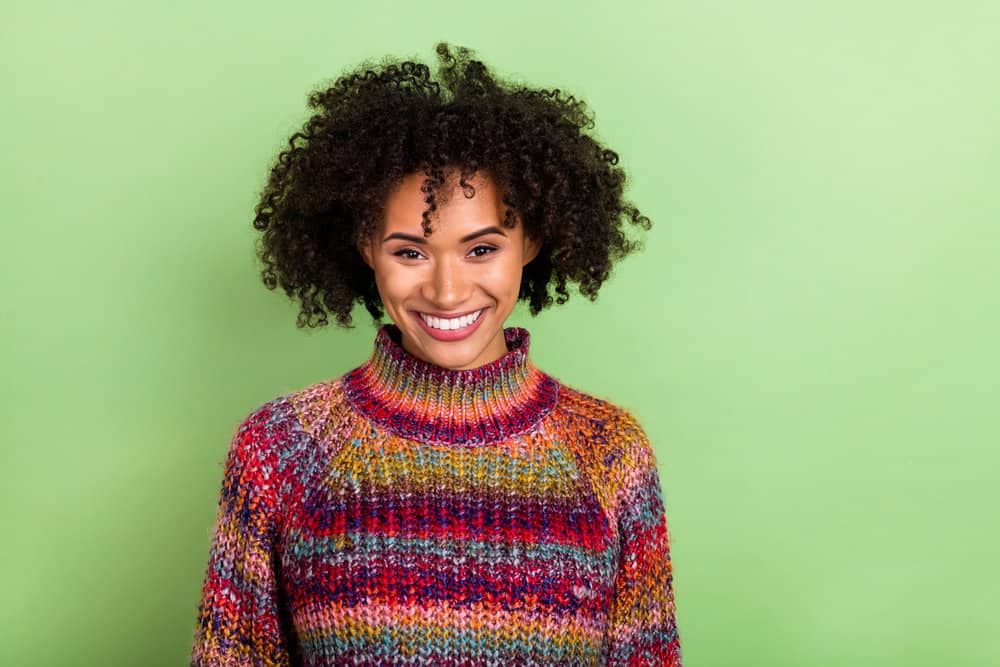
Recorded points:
(606, 420)
(318, 412)
(280, 442)
(608, 439)
(576, 401)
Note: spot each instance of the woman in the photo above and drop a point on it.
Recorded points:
(446, 502)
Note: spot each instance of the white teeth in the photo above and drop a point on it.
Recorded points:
(454, 323)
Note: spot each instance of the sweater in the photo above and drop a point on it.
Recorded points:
(408, 514)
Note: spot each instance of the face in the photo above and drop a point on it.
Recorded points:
(451, 292)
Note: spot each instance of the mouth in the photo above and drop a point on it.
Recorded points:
(449, 329)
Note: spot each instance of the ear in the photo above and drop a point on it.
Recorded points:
(531, 248)
(365, 248)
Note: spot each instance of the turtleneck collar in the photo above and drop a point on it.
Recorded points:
(426, 402)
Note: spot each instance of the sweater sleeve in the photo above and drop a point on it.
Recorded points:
(239, 619)
(643, 628)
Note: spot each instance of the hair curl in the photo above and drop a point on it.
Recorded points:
(387, 119)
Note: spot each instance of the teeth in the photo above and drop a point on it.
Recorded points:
(455, 323)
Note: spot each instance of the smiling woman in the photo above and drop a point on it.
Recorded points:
(446, 502)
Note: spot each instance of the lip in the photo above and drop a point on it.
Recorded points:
(452, 334)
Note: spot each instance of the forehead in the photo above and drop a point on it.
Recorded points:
(454, 210)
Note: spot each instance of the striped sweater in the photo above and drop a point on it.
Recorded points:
(409, 514)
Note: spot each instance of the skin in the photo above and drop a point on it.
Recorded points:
(443, 274)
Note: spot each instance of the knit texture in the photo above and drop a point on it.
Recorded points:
(408, 514)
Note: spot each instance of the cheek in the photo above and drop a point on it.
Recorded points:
(392, 283)
(504, 277)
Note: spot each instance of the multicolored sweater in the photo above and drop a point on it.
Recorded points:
(409, 514)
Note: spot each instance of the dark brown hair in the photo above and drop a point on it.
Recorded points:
(387, 119)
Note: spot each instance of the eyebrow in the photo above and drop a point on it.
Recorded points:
(474, 235)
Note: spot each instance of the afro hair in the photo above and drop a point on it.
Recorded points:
(326, 191)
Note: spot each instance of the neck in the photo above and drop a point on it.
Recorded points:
(422, 401)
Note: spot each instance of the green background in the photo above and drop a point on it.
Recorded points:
(809, 338)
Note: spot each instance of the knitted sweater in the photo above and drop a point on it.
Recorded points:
(409, 514)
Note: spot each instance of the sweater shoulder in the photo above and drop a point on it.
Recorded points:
(608, 440)
(302, 409)
(604, 419)
(575, 401)
(288, 437)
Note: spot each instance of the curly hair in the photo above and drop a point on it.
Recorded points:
(326, 192)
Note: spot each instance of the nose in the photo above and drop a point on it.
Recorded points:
(448, 285)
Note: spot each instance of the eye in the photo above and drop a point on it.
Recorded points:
(403, 253)
(487, 248)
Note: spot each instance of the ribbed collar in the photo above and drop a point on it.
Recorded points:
(423, 401)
